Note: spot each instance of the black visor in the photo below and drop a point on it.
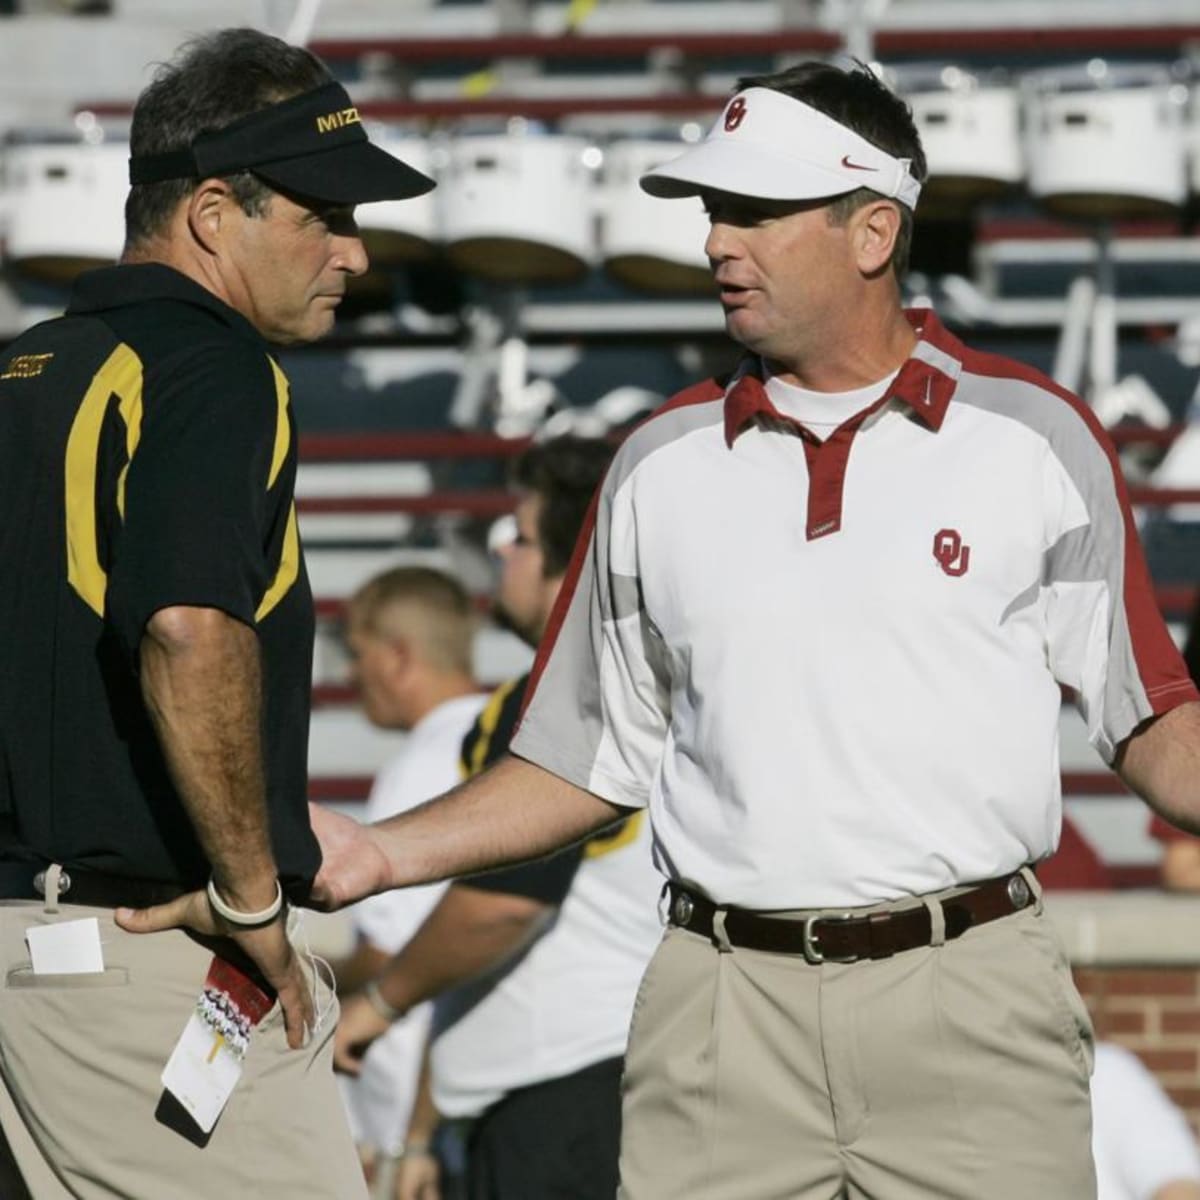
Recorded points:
(312, 144)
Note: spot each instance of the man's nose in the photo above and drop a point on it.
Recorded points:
(351, 255)
(721, 243)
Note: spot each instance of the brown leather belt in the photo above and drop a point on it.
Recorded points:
(849, 938)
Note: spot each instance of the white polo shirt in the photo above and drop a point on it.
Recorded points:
(831, 667)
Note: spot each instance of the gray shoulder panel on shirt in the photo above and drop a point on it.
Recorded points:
(566, 708)
(1091, 553)
(622, 594)
(659, 431)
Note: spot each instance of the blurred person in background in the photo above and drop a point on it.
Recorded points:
(534, 968)
(1179, 867)
(409, 632)
(1144, 1147)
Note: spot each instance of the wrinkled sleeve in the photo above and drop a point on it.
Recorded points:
(1105, 635)
(202, 493)
(598, 707)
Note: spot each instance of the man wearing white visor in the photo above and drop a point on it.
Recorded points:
(819, 626)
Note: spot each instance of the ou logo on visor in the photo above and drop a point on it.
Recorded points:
(952, 556)
(735, 114)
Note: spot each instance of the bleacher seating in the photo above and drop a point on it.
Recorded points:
(461, 325)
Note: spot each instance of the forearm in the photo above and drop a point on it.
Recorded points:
(200, 677)
(468, 933)
(418, 1174)
(513, 812)
(1161, 762)
(364, 964)
(424, 1118)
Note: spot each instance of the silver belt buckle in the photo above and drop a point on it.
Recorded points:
(39, 883)
(1019, 893)
(812, 953)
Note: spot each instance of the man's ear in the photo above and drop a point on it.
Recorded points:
(208, 211)
(877, 226)
(399, 656)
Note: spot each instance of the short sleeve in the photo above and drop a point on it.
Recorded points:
(205, 492)
(598, 706)
(1105, 635)
(486, 742)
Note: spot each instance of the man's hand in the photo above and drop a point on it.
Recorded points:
(352, 863)
(418, 1177)
(358, 1026)
(201, 676)
(268, 947)
(513, 812)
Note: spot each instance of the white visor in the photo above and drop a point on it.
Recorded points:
(772, 147)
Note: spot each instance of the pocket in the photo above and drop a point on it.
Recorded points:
(1075, 1021)
(272, 1018)
(647, 986)
(646, 983)
(26, 977)
(1077, 1018)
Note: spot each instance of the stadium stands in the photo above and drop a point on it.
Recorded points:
(487, 312)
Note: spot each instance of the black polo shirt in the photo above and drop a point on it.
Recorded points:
(147, 459)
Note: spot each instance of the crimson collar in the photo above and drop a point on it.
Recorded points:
(924, 383)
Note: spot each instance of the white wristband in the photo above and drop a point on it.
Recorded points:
(414, 1148)
(375, 998)
(245, 920)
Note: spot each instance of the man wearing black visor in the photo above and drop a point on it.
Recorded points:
(154, 701)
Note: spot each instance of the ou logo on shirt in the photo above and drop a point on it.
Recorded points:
(952, 556)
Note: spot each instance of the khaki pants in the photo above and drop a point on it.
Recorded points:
(959, 1072)
(80, 1060)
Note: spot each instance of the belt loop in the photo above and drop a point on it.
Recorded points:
(937, 920)
(1035, 886)
(50, 887)
(720, 937)
(664, 903)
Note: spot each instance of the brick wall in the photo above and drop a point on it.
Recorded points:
(1155, 1012)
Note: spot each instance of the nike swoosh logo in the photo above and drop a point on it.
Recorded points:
(855, 166)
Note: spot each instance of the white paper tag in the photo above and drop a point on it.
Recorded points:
(206, 1063)
(202, 1072)
(67, 948)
